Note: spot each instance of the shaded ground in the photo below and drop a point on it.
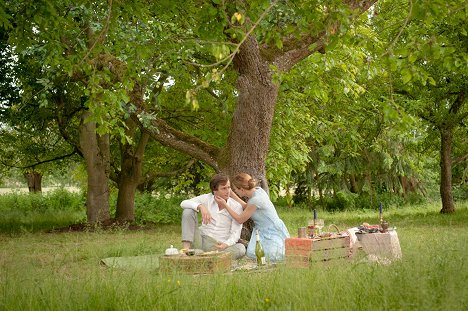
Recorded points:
(111, 225)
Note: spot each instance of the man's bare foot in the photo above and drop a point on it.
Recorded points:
(186, 244)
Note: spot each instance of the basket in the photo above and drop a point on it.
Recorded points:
(218, 262)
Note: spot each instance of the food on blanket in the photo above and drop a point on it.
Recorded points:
(171, 251)
(366, 228)
(210, 253)
(366, 225)
(190, 252)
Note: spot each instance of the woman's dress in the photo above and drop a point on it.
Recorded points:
(271, 228)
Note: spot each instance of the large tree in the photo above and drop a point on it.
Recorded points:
(260, 39)
(104, 49)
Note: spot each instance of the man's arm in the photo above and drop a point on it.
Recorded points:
(199, 204)
(193, 203)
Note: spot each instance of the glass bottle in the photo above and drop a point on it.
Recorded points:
(259, 253)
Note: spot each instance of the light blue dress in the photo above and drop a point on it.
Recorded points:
(271, 228)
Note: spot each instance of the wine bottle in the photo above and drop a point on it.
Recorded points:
(259, 251)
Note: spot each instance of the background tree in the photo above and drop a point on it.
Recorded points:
(428, 56)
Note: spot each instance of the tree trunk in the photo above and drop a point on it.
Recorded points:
(353, 183)
(34, 181)
(446, 170)
(96, 152)
(125, 210)
(249, 135)
(404, 184)
(130, 174)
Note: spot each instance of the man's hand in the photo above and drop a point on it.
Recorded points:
(221, 246)
(206, 216)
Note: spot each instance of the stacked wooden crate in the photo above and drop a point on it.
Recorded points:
(300, 252)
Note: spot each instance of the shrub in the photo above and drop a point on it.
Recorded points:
(59, 199)
(157, 209)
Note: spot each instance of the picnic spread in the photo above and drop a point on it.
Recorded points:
(378, 242)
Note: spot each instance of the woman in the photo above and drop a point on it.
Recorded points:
(259, 207)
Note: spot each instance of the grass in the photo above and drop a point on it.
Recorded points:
(62, 271)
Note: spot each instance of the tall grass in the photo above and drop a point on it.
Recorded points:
(32, 212)
(62, 271)
(29, 212)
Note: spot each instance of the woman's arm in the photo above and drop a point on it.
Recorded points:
(249, 209)
(239, 200)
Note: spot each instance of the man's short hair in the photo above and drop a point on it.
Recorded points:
(218, 179)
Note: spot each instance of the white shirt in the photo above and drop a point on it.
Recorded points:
(222, 227)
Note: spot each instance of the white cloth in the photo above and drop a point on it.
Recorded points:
(223, 227)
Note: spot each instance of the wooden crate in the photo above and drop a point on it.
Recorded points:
(198, 264)
(300, 252)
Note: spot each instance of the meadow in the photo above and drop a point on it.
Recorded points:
(50, 270)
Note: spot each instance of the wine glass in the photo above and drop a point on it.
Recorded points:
(311, 228)
(319, 223)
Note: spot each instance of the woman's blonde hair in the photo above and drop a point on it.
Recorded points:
(244, 181)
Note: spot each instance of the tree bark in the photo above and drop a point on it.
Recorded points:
(446, 194)
(34, 181)
(353, 184)
(249, 136)
(96, 152)
(130, 173)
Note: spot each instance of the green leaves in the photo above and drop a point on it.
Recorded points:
(406, 75)
(220, 52)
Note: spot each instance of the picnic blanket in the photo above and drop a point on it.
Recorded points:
(149, 262)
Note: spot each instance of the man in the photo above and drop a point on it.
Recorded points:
(219, 231)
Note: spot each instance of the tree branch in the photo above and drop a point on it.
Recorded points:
(458, 103)
(296, 49)
(191, 145)
(101, 34)
(460, 159)
(168, 174)
(42, 162)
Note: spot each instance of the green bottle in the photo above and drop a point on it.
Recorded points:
(259, 251)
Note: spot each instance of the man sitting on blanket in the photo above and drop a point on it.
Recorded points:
(219, 231)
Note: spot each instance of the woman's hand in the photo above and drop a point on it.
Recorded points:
(234, 196)
(221, 202)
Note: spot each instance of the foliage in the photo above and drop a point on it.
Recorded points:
(356, 112)
(57, 200)
(154, 209)
(340, 116)
(158, 210)
(35, 212)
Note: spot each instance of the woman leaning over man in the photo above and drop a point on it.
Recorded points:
(259, 207)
